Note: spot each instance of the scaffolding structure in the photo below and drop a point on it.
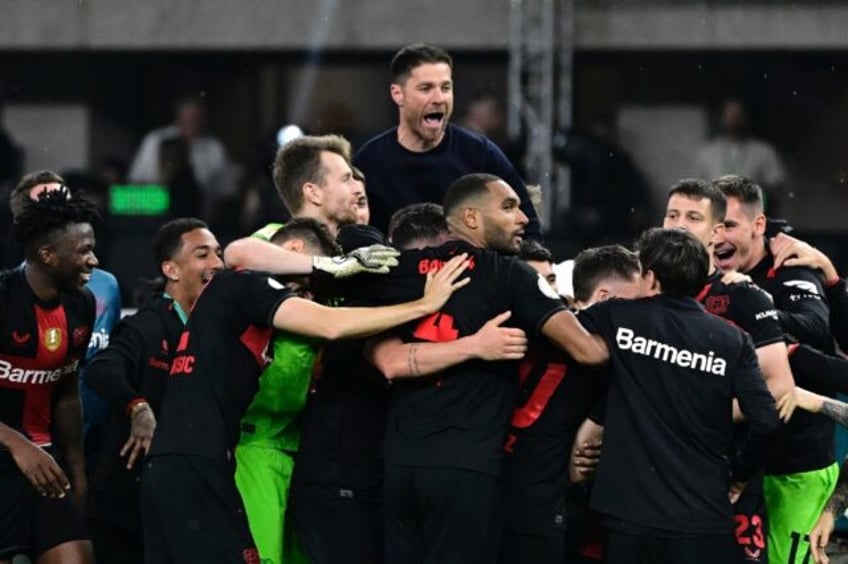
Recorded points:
(541, 62)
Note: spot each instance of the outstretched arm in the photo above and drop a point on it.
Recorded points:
(396, 359)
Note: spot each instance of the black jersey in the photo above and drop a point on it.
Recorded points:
(668, 425)
(746, 305)
(216, 365)
(40, 343)
(799, 297)
(555, 395)
(806, 442)
(837, 298)
(136, 363)
(457, 418)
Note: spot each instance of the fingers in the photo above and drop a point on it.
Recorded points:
(52, 480)
(139, 449)
(499, 319)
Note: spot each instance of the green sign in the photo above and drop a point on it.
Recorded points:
(139, 199)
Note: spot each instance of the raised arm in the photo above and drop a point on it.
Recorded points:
(396, 359)
(563, 329)
(313, 320)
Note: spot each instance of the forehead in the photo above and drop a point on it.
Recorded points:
(431, 72)
(75, 234)
(542, 267)
(498, 191)
(736, 210)
(198, 238)
(334, 162)
(689, 203)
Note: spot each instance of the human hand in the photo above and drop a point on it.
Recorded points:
(375, 259)
(820, 536)
(142, 427)
(734, 277)
(493, 342)
(40, 468)
(441, 283)
(584, 460)
(789, 251)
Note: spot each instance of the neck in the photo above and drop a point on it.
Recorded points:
(313, 212)
(410, 141)
(180, 296)
(758, 253)
(40, 283)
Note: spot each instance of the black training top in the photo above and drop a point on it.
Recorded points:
(40, 344)
(216, 365)
(668, 429)
(397, 177)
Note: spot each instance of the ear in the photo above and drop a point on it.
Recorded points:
(396, 92)
(294, 245)
(601, 294)
(313, 194)
(650, 285)
(470, 218)
(47, 255)
(170, 270)
(760, 224)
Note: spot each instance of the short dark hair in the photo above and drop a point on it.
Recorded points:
(699, 189)
(299, 161)
(599, 263)
(424, 221)
(466, 188)
(169, 237)
(415, 55)
(312, 232)
(679, 261)
(743, 189)
(20, 193)
(43, 219)
(531, 249)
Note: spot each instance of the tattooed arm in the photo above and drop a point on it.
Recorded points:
(491, 342)
(820, 535)
(815, 403)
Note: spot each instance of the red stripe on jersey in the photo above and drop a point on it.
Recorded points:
(527, 414)
(256, 339)
(51, 354)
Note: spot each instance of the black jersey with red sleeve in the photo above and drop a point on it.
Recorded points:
(746, 305)
(457, 418)
(216, 365)
(40, 344)
(555, 396)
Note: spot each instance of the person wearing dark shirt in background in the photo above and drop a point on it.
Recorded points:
(555, 396)
(803, 470)
(46, 325)
(664, 475)
(130, 376)
(191, 508)
(419, 159)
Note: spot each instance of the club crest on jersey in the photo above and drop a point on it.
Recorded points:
(53, 338)
(717, 304)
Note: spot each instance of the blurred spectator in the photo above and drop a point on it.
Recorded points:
(734, 151)
(610, 199)
(11, 168)
(193, 164)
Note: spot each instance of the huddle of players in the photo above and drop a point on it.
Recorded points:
(464, 456)
(443, 477)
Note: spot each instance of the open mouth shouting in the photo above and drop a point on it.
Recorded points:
(724, 255)
(434, 121)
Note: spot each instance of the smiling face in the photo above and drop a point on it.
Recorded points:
(740, 246)
(425, 104)
(338, 195)
(197, 261)
(71, 256)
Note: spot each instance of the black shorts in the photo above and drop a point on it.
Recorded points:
(192, 512)
(440, 515)
(30, 523)
(529, 548)
(342, 529)
(751, 524)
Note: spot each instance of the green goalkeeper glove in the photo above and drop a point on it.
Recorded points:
(376, 259)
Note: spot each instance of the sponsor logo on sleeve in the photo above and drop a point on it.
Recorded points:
(804, 285)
